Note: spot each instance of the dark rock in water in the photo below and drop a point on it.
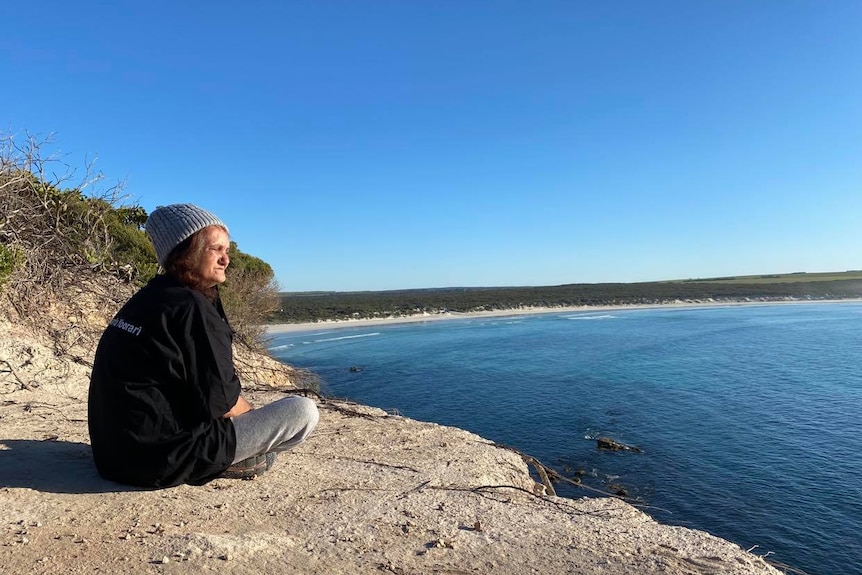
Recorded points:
(621, 491)
(613, 445)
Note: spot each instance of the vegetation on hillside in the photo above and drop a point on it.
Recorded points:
(795, 277)
(306, 307)
(250, 295)
(55, 235)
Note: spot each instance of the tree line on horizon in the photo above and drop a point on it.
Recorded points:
(316, 306)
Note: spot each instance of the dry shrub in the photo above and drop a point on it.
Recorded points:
(69, 260)
(248, 301)
(51, 237)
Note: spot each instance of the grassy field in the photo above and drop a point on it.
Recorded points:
(781, 278)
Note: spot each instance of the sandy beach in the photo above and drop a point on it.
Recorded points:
(280, 328)
(419, 318)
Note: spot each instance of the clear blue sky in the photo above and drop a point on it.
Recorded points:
(364, 145)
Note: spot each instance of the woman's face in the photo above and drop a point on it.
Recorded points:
(215, 258)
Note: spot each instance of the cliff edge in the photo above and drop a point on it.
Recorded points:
(370, 492)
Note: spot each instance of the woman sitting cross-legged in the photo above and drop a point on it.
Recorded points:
(164, 402)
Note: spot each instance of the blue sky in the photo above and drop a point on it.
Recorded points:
(366, 145)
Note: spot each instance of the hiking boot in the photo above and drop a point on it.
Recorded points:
(250, 468)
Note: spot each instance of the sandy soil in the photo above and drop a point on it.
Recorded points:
(370, 492)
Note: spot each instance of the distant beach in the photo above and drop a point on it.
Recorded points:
(280, 328)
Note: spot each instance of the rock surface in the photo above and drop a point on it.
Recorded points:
(614, 445)
(370, 492)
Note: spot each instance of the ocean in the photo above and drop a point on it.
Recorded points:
(747, 417)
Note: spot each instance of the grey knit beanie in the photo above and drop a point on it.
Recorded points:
(168, 226)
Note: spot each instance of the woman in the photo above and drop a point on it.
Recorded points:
(164, 405)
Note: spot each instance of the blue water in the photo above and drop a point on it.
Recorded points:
(748, 417)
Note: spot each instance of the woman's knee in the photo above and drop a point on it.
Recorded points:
(309, 408)
(304, 409)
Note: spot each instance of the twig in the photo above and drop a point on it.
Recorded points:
(543, 474)
(560, 504)
(29, 406)
(547, 473)
(381, 464)
(21, 384)
(419, 487)
(354, 489)
(328, 404)
(785, 567)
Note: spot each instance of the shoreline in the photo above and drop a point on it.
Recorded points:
(441, 498)
(282, 328)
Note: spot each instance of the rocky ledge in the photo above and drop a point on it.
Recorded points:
(370, 492)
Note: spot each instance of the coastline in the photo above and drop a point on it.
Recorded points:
(282, 328)
(369, 491)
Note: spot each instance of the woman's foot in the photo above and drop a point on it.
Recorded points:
(250, 468)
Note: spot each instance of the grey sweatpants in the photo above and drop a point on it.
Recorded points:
(277, 426)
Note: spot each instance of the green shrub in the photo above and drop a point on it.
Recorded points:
(130, 245)
(250, 295)
(11, 259)
(53, 236)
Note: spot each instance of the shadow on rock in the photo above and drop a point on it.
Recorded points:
(52, 466)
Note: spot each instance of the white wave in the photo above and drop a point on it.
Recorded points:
(585, 317)
(345, 337)
(278, 347)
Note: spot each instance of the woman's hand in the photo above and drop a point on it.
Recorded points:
(241, 406)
